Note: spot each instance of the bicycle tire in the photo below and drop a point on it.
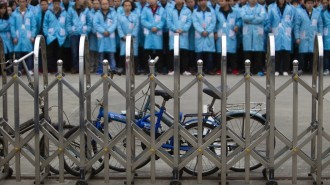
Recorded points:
(208, 166)
(235, 123)
(55, 164)
(114, 128)
(69, 165)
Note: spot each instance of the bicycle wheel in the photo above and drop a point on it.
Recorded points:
(236, 122)
(114, 128)
(54, 165)
(208, 167)
(70, 166)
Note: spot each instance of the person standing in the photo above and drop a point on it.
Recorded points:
(23, 30)
(5, 32)
(204, 22)
(105, 25)
(228, 23)
(191, 5)
(253, 20)
(78, 23)
(308, 22)
(281, 17)
(55, 33)
(152, 20)
(179, 21)
(93, 49)
(128, 24)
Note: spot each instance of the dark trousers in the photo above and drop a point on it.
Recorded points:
(231, 61)
(256, 58)
(54, 53)
(8, 56)
(148, 53)
(326, 64)
(184, 60)
(305, 62)
(282, 61)
(167, 55)
(74, 43)
(207, 58)
(192, 63)
(121, 63)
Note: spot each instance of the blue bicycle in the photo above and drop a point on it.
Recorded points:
(211, 119)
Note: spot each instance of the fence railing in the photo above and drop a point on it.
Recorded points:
(198, 146)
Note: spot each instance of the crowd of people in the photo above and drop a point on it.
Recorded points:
(152, 23)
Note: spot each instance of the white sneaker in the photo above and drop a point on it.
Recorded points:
(187, 73)
(326, 72)
(277, 73)
(285, 73)
(30, 72)
(171, 73)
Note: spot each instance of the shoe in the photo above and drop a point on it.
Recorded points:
(30, 73)
(285, 73)
(326, 72)
(260, 73)
(187, 73)
(218, 72)
(211, 73)
(171, 73)
(277, 73)
(235, 72)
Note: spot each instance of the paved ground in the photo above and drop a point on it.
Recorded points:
(283, 116)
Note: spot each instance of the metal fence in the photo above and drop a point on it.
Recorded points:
(199, 148)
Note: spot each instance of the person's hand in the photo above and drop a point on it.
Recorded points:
(179, 31)
(15, 41)
(236, 29)
(32, 39)
(298, 41)
(106, 33)
(154, 29)
(205, 33)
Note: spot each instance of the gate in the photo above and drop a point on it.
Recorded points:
(109, 151)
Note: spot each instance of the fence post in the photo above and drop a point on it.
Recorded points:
(130, 108)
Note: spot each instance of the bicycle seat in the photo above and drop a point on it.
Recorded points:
(211, 93)
(163, 94)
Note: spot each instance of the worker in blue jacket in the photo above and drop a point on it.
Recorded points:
(191, 5)
(40, 17)
(179, 21)
(55, 32)
(308, 22)
(105, 25)
(228, 23)
(5, 32)
(78, 23)
(204, 22)
(23, 31)
(326, 36)
(142, 64)
(153, 21)
(253, 20)
(281, 17)
(128, 24)
(93, 48)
